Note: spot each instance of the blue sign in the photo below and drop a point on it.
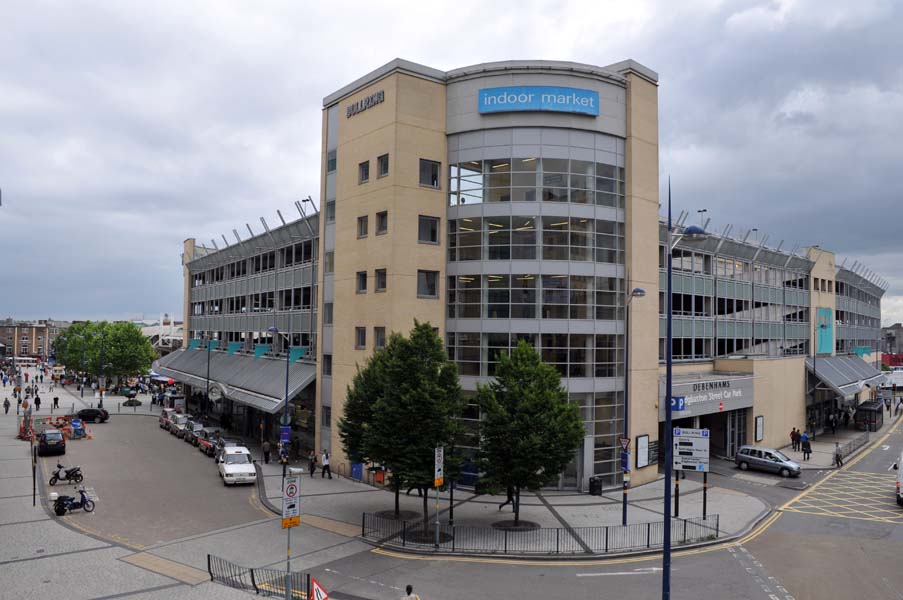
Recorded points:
(539, 98)
(625, 461)
(284, 433)
(678, 403)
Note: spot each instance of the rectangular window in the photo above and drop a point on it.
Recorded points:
(363, 172)
(362, 225)
(428, 230)
(325, 416)
(361, 282)
(331, 161)
(327, 313)
(379, 337)
(327, 364)
(360, 338)
(329, 262)
(330, 211)
(382, 222)
(382, 165)
(380, 275)
(427, 284)
(429, 173)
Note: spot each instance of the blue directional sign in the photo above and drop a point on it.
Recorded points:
(625, 461)
(678, 403)
(285, 433)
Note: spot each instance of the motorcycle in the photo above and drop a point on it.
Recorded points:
(67, 503)
(62, 473)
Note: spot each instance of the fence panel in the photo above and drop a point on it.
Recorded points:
(262, 581)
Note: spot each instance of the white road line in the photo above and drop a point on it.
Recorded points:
(644, 571)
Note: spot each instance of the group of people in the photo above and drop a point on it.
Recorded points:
(799, 441)
(312, 458)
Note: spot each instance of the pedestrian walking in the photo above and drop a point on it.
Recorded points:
(56, 402)
(797, 439)
(42, 378)
(509, 492)
(833, 425)
(807, 448)
(409, 593)
(6, 406)
(838, 456)
(793, 438)
(266, 452)
(846, 419)
(312, 463)
(37, 403)
(326, 469)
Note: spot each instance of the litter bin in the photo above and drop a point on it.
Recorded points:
(595, 486)
(357, 471)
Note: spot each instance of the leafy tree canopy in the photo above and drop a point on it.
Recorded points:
(125, 349)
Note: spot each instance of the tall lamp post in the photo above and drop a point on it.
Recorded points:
(634, 293)
(103, 366)
(691, 233)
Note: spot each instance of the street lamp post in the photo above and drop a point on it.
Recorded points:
(691, 233)
(285, 420)
(634, 293)
(103, 376)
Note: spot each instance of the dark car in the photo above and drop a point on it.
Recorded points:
(95, 415)
(51, 441)
(225, 442)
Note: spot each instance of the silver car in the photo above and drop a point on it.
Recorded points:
(766, 459)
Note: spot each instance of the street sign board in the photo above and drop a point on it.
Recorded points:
(678, 403)
(625, 442)
(285, 433)
(625, 461)
(291, 502)
(691, 449)
(316, 590)
(439, 477)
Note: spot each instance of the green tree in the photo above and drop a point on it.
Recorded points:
(125, 349)
(400, 406)
(529, 431)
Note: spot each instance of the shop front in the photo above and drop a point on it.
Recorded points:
(834, 387)
(719, 402)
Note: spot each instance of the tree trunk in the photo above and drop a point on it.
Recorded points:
(397, 494)
(516, 505)
(426, 510)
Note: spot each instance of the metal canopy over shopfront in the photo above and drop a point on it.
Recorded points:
(259, 383)
(846, 375)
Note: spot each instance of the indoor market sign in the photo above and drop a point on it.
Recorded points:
(365, 103)
(541, 98)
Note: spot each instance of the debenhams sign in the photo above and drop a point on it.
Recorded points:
(709, 396)
(365, 103)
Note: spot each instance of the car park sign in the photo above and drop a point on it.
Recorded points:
(691, 449)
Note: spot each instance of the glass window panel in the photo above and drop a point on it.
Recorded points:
(555, 165)
(525, 164)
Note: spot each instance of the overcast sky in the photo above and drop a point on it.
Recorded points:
(126, 127)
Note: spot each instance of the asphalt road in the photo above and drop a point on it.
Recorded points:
(150, 486)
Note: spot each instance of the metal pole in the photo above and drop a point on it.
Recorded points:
(207, 390)
(676, 493)
(451, 503)
(666, 541)
(288, 561)
(103, 377)
(437, 517)
(705, 492)
(82, 382)
(626, 475)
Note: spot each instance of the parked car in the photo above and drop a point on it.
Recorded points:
(51, 441)
(192, 428)
(237, 466)
(225, 442)
(766, 459)
(166, 417)
(132, 402)
(899, 480)
(206, 439)
(94, 415)
(177, 425)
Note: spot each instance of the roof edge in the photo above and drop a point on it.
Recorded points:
(398, 65)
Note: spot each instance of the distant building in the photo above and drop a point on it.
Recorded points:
(30, 338)
(165, 335)
(892, 339)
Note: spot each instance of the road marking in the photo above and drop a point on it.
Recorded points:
(169, 568)
(641, 571)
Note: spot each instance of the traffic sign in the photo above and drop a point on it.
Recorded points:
(439, 476)
(291, 502)
(678, 403)
(285, 419)
(285, 433)
(625, 461)
(316, 590)
(625, 442)
(691, 449)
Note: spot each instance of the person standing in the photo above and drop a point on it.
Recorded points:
(6, 406)
(266, 452)
(312, 463)
(833, 424)
(56, 402)
(37, 403)
(793, 435)
(409, 593)
(807, 447)
(326, 469)
(838, 456)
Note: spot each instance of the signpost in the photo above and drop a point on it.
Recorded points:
(438, 480)
(691, 453)
(291, 517)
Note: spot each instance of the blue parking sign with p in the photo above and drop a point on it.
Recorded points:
(678, 403)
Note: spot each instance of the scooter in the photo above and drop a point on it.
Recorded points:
(62, 504)
(62, 473)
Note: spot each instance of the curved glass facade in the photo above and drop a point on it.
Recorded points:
(536, 253)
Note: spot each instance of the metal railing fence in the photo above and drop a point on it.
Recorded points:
(261, 581)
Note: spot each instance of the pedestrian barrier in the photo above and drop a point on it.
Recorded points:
(855, 444)
(261, 581)
(572, 540)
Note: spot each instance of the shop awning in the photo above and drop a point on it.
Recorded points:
(846, 375)
(259, 383)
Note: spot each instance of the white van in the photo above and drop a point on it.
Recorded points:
(237, 466)
(899, 480)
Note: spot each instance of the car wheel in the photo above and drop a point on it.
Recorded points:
(785, 472)
(743, 466)
(53, 480)
(224, 482)
(89, 506)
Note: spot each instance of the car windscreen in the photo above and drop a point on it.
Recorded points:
(54, 436)
(781, 455)
(238, 459)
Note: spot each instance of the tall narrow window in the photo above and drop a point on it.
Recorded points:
(329, 262)
(360, 338)
(327, 313)
(428, 230)
(429, 173)
(427, 284)
(330, 211)
(382, 222)
(361, 282)
(327, 364)
(331, 161)
(382, 165)
(363, 172)
(379, 337)
(362, 226)
(380, 276)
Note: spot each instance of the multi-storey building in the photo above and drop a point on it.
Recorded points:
(519, 201)
(31, 339)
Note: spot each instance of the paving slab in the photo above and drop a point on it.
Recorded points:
(42, 538)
